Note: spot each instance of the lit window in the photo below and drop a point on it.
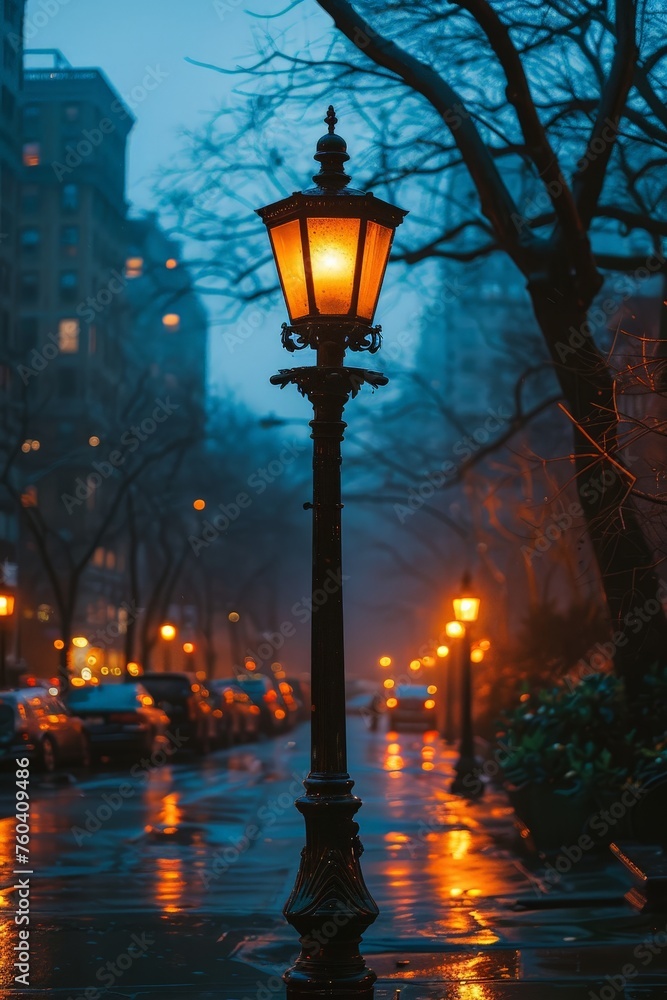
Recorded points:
(134, 267)
(98, 557)
(171, 321)
(68, 336)
(32, 154)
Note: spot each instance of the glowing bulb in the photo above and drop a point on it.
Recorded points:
(432, 689)
(389, 683)
(415, 664)
(86, 673)
(443, 651)
(454, 630)
(59, 644)
(199, 504)
(477, 655)
(233, 616)
(385, 661)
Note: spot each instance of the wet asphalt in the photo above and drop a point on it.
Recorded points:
(167, 878)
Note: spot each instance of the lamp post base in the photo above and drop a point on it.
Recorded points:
(330, 905)
(467, 781)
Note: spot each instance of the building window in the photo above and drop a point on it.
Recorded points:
(68, 336)
(71, 112)
(69, 285)
(69, 239)
(8, 103)
(67, 383)
(29, 331)
(31, 113)
(30, 239)
(32, 154)
(134, 267)
(29, 286)
(8, 55)
(69, 198)
(30, 200)
(171, 321)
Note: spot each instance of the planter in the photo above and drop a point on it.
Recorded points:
(553, 818)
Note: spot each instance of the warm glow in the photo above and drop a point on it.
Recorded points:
(333, 257)
(168, 631)
(376, 252)
(233, 616)
(476, 655)
(188, 647)
(35, 445)
(442, 651)
(86, 673)
(134, 267)
(54, 691)
(251, 665)
(6, 605)
(286, 243)
(171, 263)
(392, 702)
(78, 682)
(132, 669)
(385, 661)
(93, 441)
(484, 644)
(466, 609)
(389, 683)
(80, 641)
(429, 703)
(432, 689)
(91, 661)
(58, 644)
(454, 630)
(199, 504)
(171, 321)
(415, 664)
(104, 671)
(279, 714)
(428, 661)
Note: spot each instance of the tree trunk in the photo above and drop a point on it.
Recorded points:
(625, 561)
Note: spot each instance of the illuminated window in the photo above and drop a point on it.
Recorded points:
(68, 336)
(134, 267)
(32, 154)
(171, 321)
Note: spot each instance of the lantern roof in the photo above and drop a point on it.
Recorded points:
(331, 187)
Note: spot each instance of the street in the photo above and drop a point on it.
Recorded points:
(172, 881)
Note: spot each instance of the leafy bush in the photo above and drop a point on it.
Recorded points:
(586, 738)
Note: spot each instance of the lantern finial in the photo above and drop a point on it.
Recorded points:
(331, 155)
(331, 119)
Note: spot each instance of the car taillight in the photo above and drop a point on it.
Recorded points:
(124, 717)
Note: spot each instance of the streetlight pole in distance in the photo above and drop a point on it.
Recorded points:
(6, 612)
(331, 245)
(466, 610)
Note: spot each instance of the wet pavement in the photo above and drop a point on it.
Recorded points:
(169, 881)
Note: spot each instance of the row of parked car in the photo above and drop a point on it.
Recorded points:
(109, 720)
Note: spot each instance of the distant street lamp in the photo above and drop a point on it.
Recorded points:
(466, 610)
(446, 686)
(331, 245)
(6, 611)
(168, 633)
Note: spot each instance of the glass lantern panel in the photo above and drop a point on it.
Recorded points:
(287, 249)
(333, 258)
(466, 609)
(376, 251)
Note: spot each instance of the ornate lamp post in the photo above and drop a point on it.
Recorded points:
(466, 610)
(331, 245)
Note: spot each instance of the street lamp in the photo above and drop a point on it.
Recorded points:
(6, 611)
(168, 633)
(466, 610)
(331, 245)
(446, 682)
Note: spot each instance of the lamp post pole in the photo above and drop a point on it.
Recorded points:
(449, 700)
(466, 779)
(331, 245)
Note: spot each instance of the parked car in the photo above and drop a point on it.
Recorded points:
(120, 719)
(273, 712)
(302, 692)
(411, 705)
(239, 715)
(37, 725)
(186, 702)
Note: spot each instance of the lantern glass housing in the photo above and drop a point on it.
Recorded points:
(466, 608)
(6, 605)
(331, 244)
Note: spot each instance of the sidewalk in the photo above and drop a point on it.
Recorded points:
(465, 911)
